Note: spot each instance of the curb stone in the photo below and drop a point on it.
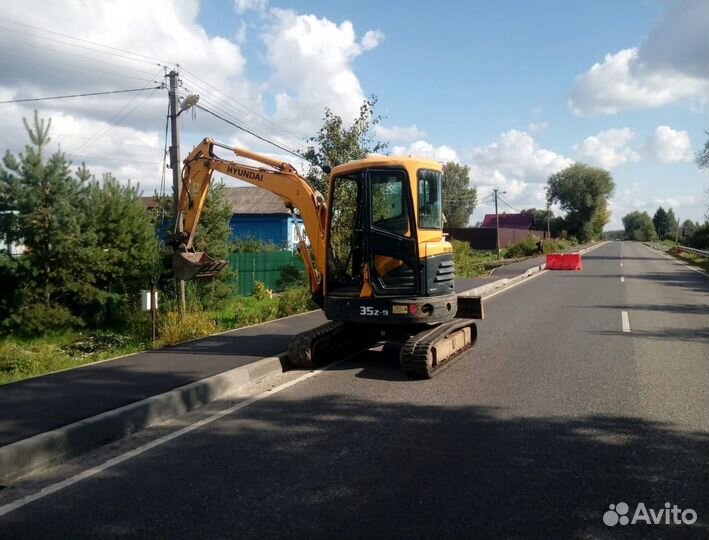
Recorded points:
(52, 447)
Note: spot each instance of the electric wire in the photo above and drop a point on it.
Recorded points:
(81, 95)
(249, 119)
(270, 137)
(300, 156)
(115, 120)
(78, 39)
(265, 119)
(132, 56)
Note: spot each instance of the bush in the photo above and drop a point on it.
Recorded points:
(291, 276)
(38, 319)
(525, 248)
(700, 237)
(294, 301)
(261, 292)
(174, 327)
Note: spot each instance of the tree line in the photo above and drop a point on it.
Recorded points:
(89, 245)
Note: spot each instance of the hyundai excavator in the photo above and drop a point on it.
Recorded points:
(376, 258)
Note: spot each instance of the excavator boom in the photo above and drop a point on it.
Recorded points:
(279, 178)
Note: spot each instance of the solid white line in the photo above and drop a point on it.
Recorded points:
(508, 287)
(625, 321)
(677, 261)
(53, 488)
(622, 279)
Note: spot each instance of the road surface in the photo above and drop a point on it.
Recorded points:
(564, 407)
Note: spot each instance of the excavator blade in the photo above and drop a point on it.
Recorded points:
(195, 265)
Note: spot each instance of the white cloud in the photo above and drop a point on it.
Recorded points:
(668, 67)
(517, 154)
(668, 145)
(403, 134)
(426, 150)
(609, 148)
(242, 6)
(538, 127)
(371, 39)
(312, 58)
(517, 165)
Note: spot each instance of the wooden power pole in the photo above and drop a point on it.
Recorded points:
(175, 166)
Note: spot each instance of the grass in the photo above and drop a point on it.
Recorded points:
(695, 260)
(21, 358)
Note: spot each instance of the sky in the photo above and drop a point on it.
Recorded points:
(515, 90)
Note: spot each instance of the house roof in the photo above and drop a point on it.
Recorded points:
(254, 200)
(509, 221)
(244, 200)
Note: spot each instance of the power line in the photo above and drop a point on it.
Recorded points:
(76, 38)
(108, 126)
(132, 56)
(93, 69)
(300, 156)
(80, 95)
(241, 105)
(250, 119)
(508, 205)
(258, 131)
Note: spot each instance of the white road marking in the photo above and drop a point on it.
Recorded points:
(53, 488)
(622, 279)
(625, 321)
(677, 261)
(621, 265)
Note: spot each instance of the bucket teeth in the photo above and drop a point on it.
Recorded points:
(189, 265)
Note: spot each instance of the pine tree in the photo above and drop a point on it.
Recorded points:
(45, 202)
(122, 249)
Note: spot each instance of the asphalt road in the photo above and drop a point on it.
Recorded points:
(554, 415)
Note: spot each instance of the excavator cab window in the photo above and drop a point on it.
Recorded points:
(429, 195)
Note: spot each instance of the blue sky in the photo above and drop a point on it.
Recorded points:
(516, 90)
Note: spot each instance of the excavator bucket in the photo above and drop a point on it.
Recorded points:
(189, 265)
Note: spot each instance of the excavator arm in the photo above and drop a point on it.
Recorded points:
(279, 178)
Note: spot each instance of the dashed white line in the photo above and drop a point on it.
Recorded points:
(622, 279)
(625, 321)
(621, 264)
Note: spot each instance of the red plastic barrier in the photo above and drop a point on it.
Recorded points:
(564, 261)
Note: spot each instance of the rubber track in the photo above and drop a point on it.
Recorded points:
(302, 348)
(415, 352)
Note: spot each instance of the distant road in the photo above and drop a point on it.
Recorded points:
(584, 390)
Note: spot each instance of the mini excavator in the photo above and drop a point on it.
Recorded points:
(376, 258)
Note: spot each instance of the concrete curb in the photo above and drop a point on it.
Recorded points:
(46, 449)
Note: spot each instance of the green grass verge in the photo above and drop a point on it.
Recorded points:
(22, 358)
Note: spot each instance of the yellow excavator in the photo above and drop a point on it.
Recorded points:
(377, 261)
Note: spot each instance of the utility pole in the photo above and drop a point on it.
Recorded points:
(175, 166)
(548, 221)
(497, 227)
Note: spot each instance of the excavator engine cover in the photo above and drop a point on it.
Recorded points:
(189, 265)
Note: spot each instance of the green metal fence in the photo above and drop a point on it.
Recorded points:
(263, 266)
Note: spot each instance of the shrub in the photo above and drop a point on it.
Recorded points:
(294, 301)
(291, 276)
(525, 248)
(261, 292)
(174, 327)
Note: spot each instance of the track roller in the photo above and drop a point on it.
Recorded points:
(428, 352)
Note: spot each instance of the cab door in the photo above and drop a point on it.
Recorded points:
(390, 242)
